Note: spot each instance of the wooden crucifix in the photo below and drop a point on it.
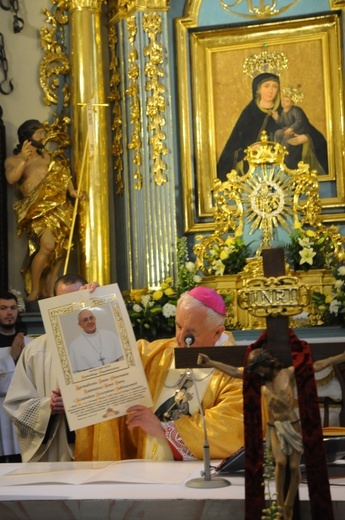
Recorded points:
(285, 346)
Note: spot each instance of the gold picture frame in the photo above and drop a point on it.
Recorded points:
(214, 90)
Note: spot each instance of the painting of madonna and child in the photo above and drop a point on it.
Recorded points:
(277, 102)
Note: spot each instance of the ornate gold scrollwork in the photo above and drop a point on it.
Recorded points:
(307, 210)
(228, 217)
(126, 6)
(135, 143)
(267, 196)
(281, 296)
(57, 133)
(115, 97)
(258, 9)
(155, 106)
(54, 69)
(55, 62)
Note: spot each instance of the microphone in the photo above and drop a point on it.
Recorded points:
(189, 339)
(205, 482)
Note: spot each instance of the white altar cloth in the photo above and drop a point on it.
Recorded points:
(129, 489)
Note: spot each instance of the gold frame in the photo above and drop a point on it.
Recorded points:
(335, 4)
(207, 115)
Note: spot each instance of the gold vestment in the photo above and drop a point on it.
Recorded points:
(222, 405)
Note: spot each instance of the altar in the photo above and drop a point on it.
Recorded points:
(129, 489)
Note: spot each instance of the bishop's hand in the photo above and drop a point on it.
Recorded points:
(142, 417)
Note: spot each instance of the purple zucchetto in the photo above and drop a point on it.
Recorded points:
(209, 298)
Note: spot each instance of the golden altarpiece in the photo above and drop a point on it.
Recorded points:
(267, 197)
(121, 130)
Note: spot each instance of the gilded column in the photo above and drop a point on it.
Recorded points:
(90, 132)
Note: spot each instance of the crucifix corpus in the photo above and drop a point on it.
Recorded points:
(273, 364)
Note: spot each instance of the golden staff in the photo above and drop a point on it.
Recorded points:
(88, 145)
(75, 209)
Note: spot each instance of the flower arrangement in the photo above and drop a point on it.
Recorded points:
(152, 314)
(187, 276)
(228, 257)
(152, 311)
(330, 308)
(310, 249)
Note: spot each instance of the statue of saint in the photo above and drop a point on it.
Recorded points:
(43, 211)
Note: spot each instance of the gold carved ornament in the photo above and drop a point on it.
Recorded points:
(115, 97)
(54, 69)
(268, 196)
(258, 8)
(307, 208)
(270, 297)
(228, 218)
(155, 104)
(261, 198)
(55, 61)
(57, 133)
(135, 143)
(126, 7)
(266, 190)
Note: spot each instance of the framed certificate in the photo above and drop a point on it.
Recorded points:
(95, 354)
